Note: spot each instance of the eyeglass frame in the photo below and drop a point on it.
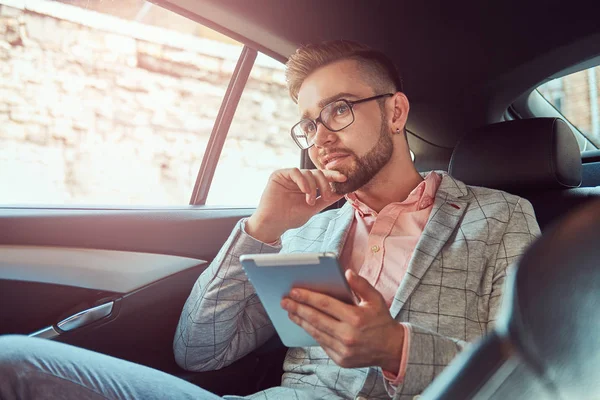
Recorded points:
(350, 104)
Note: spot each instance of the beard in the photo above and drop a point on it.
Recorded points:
(367, 166)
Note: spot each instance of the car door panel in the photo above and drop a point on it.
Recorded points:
(142, 324)
(55, 263)
(194, 232)
(103, 270)
(28, 306)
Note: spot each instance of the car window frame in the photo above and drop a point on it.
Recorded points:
(221, 126)
(532, 104)
(220, 129)
(229, 103)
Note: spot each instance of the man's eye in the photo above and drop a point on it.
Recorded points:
(341, 109)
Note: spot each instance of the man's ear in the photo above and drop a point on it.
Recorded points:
(401, 107)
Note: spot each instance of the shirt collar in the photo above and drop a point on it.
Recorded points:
(423, 195)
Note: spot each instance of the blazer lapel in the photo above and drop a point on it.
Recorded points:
(446, 214)
(337, 230)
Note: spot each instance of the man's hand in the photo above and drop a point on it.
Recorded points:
(290, 199)
(353, 336)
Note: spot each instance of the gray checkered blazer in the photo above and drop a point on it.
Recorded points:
(448, 297)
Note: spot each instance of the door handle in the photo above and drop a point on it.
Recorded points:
(86, 317)
(75, 321)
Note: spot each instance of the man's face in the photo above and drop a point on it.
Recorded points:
(362, 149)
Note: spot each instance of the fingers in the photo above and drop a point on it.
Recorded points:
(305, 181)
(309, 180)
(300, 180)
(333, 176)
(327, 196)
(335, 337)
(328, 331)
(323, 182)
(312, 183)
(299, 312)
(319, 301)
(326, 338)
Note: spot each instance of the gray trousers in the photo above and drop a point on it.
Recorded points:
(43, 369)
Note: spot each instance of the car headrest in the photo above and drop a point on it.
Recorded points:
(537, 153)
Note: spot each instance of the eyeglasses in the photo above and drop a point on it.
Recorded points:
(335, 116)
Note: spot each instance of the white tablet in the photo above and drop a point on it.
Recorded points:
(274, 275)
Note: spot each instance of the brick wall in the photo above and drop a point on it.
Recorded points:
(576, 100)
(575, 103)
(95, 109)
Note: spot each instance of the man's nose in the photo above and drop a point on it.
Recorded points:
(323, 136)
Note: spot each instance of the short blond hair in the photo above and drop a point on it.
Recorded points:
(376, 69)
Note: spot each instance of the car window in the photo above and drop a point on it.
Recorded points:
(577, 97)
(108, 103)
(259, 140)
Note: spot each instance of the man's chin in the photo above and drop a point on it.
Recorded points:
(343, 188)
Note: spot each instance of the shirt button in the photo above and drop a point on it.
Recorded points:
(375, 248)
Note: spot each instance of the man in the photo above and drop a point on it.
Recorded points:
(425, 255)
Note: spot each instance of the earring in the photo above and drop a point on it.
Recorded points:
(397, 131)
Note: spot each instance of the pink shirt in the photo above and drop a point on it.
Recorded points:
(380, 245)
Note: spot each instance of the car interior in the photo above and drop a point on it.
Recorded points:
(114, 279)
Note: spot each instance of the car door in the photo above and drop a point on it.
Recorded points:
(132, 141)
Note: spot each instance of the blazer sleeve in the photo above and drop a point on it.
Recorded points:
(223, 319)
